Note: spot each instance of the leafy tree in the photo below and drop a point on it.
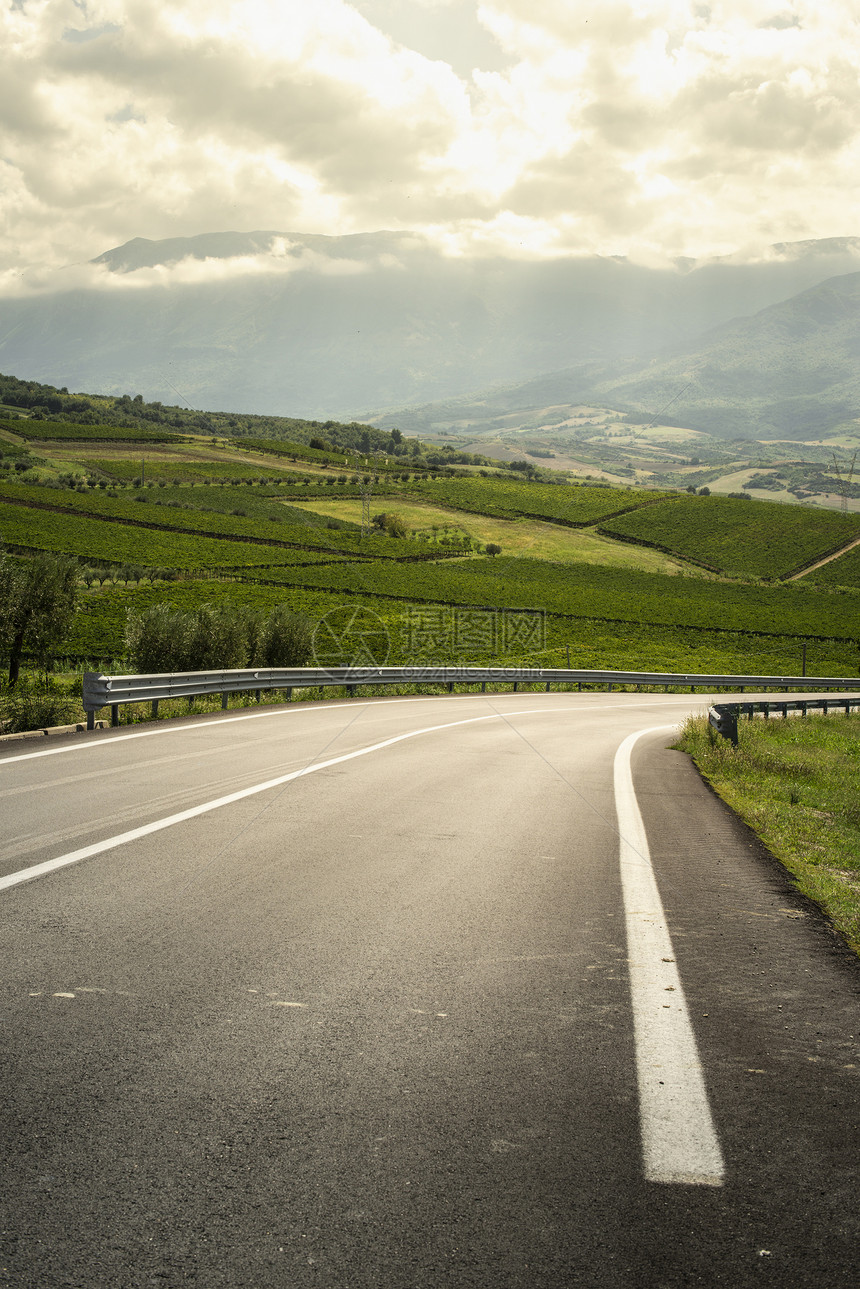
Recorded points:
(287, 639)
(38, 598)
(161, 639)
(492, 549)
(155, 638)
(391, 523)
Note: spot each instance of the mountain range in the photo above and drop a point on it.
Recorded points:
(308, 325)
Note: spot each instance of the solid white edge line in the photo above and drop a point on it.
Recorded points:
(122, 839)
(679, 1140)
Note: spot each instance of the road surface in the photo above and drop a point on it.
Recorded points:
(416, 994)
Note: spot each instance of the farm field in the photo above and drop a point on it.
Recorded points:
(98, 633)
(172, 468)
(566, 504)
(594, 591)
(516, 536)
(731, 535)
(266, 528)
(93, 539)
(844, 571)
(606, 567)
(53, 431)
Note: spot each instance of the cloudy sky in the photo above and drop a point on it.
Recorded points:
(653, 128)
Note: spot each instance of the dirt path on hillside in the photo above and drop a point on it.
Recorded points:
(827, 560)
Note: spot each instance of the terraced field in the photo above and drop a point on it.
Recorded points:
(755, 539)
(612, 570)
(571, 504)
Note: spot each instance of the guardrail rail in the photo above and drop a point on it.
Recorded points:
(111, 691)
(723, 717)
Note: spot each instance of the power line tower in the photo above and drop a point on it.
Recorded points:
(365, 487)
(844, 479)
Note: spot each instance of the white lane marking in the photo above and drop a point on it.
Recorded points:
(352, 704)
(298, 709)
(679, 1141)
(122, 839)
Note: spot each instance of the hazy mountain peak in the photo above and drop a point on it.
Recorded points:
(144, 253)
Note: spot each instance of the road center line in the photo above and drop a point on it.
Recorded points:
(168, 727)
(679, 1141)
(122, 839)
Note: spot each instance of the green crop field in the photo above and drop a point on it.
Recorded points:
(565, 504)
(99, 629)
(757, 539)
(844, 571)
(578, 554)
(173, 469)
(23, 528)
(58, 431)
(592, 591)
(272, 528)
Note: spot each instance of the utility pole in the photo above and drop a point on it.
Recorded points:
(844, 480)
(366, 490)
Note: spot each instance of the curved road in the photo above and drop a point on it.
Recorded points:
(414, 993)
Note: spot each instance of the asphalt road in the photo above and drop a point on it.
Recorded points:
(448, 1003)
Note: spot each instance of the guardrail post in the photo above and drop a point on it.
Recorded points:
(450, 686)
(516, 686)
(547, 686)
(289, 692)
(257, 693)
(483, 687)
(91, 720)
(225, 698)
(802, 705)
(114, 713)
(154, 708)
(725, 721)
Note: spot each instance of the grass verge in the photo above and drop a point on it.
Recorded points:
(794, 783)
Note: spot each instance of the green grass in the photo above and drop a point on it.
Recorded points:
(795, 783)
(516, 535)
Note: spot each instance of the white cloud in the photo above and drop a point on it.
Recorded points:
(659, 126)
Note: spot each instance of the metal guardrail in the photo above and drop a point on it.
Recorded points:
(724, 716)
(111, 691)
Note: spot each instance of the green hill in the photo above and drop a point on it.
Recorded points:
(221, 536)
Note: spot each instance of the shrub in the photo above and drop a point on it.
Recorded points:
(32, 706)
(160, 639)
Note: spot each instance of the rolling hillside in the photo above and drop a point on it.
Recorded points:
(589, 564)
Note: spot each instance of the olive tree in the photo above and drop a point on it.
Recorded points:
(38, 598)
